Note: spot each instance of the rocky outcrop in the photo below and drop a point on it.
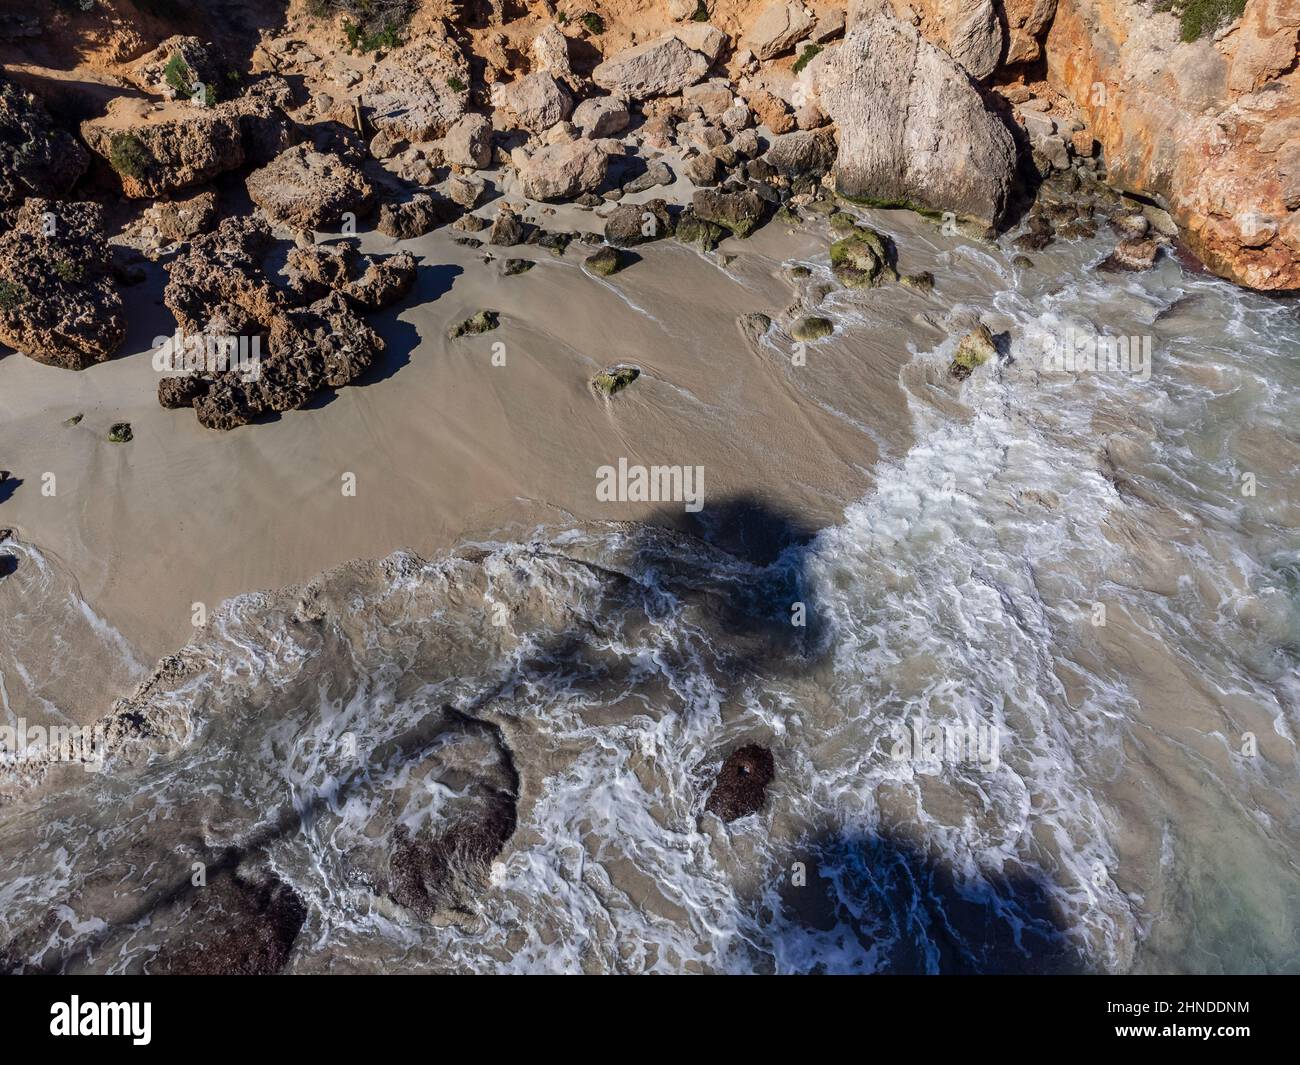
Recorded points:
(913, 126)
(307, 189)
(417, 91)
(221, 275)
(1209, 129)
(562, 171)
(657, 68)
(58, 304)
(35, 157)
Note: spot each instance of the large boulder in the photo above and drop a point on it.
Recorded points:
(159, 152)
(307, 189)
(808, 153)
(913, 126)
(738, 212)
(778, 29)
(562, 171)
(58, 304)
(536, 102)
(469, 142)
(657, 68)
(35, 157)
(638, 223)
(968, 30)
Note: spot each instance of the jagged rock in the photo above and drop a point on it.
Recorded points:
(562, 171)
(35, 157)
(469, 142)
(737, 212)
(220, 270)
(803, 153)
(312, 348)
(415, 217)
(638, 223)
(601, 116)
(536, 102)
(507, 229)
(741, 785)
(482, 322)
(184, 219)
(703, 169)
(58, 304)
(316, 270)
(418, 91)
(778, 29)
(657, 68)
(465, 191)
(309, 190)
(550, 50)
(914, 130)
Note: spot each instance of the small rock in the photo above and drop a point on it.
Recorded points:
(482, 322)
(741, 785)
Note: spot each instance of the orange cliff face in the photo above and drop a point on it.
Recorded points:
(1210, 129)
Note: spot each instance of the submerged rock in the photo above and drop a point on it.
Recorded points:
(611, 381)
(1132, 255)
(812, 327)
(741, 785)
(975, 349)
(862, 258)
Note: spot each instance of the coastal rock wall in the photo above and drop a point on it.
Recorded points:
(1210, 129)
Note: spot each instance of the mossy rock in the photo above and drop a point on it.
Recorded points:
(483, 322)
(976, 348)
(812, 328)
(515, 267)
(842, 222)
(862, 259)
(922, 282)
(799, 272)
(605, 261)
(692, 229)
(120, 433)
(787, 215)
(614, 380)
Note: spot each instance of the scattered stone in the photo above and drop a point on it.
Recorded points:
(1132, 255)
(741, 785)
(704, 169)
(415, 217)
(120, 433)
(637, 223)
(601, 116)
(482, 322)
(737, 212)
(507, 229)
(605, 261)
(975, 349)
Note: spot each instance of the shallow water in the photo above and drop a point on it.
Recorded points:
(1073, 566)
